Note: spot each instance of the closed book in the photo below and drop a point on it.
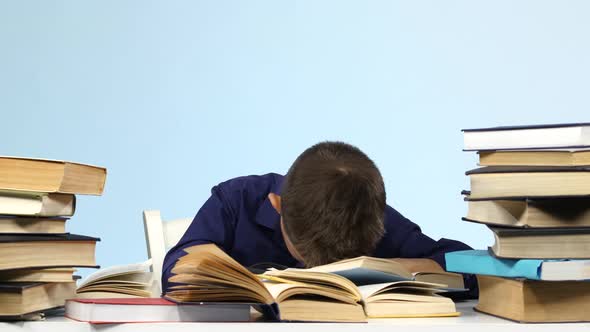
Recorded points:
(566, 135)
(28, 225)
(37, 204)
(496, 182)
(50, 176)
(38, 275)
(482, 262)
(144, 310)
(46, 250)
(566, 157)
(530, 301)
(572, 212)
(541, 243)
(20, 298)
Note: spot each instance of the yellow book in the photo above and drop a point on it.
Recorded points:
(532, 301)
(50, 176)
(535, 158)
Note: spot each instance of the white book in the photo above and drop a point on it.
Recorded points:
(552, 136)
(153, 310)
(37, 204)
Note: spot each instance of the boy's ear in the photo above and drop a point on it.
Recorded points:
(275, 200)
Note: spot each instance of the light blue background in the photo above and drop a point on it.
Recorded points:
(174, 97)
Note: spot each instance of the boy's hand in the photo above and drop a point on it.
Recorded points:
(419, 264)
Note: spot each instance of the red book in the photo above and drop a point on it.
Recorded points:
(144, 310)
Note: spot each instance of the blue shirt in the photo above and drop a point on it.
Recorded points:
(239, 218)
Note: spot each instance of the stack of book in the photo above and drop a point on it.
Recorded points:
(534, 195)
(37, 255)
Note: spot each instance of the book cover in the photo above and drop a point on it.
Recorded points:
(142, 310)
(521, 127)
(482, 262)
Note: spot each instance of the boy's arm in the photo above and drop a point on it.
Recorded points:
(214, 223)
(419, 252)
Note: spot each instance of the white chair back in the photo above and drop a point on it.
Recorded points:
(160, 236)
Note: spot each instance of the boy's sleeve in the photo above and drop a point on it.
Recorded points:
(412, 243)
(214, 223)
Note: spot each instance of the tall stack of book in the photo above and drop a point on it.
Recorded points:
(533, 192)
(37, 255)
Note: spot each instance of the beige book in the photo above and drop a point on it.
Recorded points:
(50, 176)
(207, 274)
(405, 298)
(38, 275)
(36, 204)
(535, 158)
(534, 301)
(562, 213)
(541, 243)
(45, 250)
(22, 298)
(497, 182)
(15, 225)
(119, 281)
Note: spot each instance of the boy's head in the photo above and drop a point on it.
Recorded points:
(332, 204)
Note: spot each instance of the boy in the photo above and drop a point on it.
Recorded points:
(330, 206)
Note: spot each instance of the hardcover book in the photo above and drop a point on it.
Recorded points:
(545, 243)
(482, 262)
(50, 176)
(21, 298)
(532, 301)
(46, 250)
(567, 135)
(495, 182)
(535, 158)
(38, 275)
(37, 204)
(152, 310)
(522, 212)
(26, 225)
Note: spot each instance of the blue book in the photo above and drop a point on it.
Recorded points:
(482, 262)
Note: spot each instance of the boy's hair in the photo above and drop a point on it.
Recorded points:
(333, 203)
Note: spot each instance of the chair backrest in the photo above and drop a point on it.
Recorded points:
(160, 236)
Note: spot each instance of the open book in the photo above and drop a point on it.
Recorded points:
(207, 274)
(119, 281)
(371, 270)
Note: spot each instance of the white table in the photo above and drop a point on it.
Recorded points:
(468, 321)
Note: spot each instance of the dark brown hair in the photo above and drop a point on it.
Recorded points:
(333, 203)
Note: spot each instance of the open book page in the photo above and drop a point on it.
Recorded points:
(424, 288)
(209, 274)
(117, 270)
(143, 278)
(366, 264)
(328, 281)
(283, 291)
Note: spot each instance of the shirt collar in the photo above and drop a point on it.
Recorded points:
(266, 215)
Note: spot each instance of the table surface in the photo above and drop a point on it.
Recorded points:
(469, 320)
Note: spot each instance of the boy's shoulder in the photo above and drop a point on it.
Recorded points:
(251, 186)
